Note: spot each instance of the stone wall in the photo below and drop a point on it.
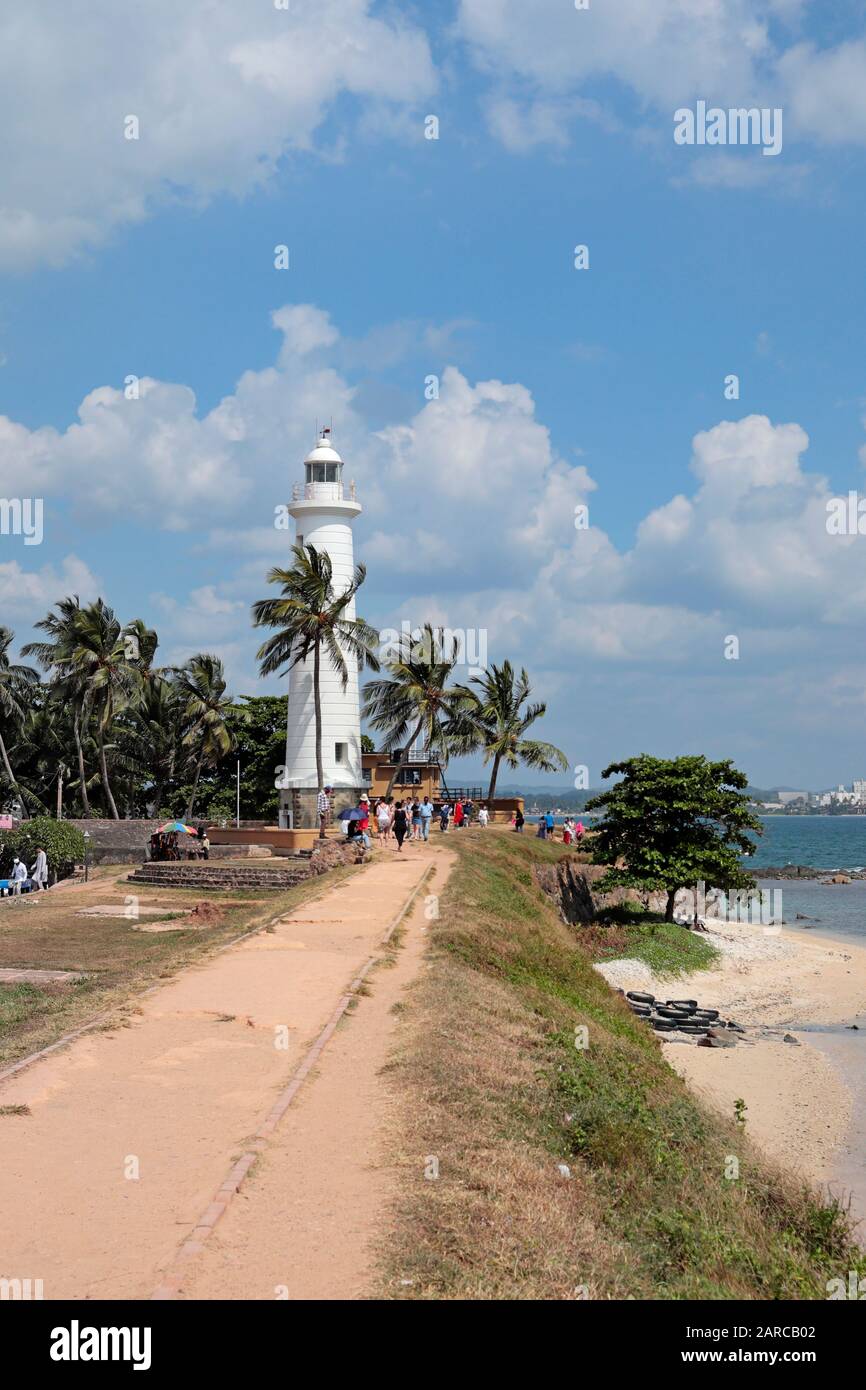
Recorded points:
(118, 841)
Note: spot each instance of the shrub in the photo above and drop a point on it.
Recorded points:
(63, 843)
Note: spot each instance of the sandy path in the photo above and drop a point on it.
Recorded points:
(175, 1096)
(799, 1107)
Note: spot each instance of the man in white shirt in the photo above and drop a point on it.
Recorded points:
(323, 805)
(39, 872)
(483, 816)
(19, 874)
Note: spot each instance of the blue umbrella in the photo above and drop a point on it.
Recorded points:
(355, 814)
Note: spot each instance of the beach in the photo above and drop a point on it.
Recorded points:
(803, 1096)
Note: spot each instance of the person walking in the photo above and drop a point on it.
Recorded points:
(444, 816)
(468, 809)
(550, 822)
(416, 819)
(383, 819)
(458, 815)
(483, 816)
(323, 806)
(401, 825)
(39, 872)
(519, 821)
(205, 845)
(425, 812)
(19, 875)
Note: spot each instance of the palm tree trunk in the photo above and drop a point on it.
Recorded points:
(195, 783)
(60, 792)
(317, 705)
(82, 773)
(418, 727)
(669, 906)
(9, 773)
(491, 790)
(103, 772)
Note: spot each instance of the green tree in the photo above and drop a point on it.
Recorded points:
(201, 687)
(503, 717)
(17, 684)
(68, 684)
(672, 823)
(102, 662)
(417, 699)
(311, 620)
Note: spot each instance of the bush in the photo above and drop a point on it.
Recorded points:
(63, 844)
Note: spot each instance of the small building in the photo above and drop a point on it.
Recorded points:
(417, 773)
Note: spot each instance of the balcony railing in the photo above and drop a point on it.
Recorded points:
(323, 492)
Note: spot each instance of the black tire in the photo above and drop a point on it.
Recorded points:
(706, 1015)
(695, 1028)
(688, 1004)
(665, 1011)
(642, 1010)
(638, 998)
(663, 1025)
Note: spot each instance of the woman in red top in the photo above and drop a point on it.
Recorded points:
(458, 814)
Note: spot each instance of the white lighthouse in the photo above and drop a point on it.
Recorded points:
(324, 510)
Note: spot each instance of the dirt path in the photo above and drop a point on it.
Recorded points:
(132, 1131)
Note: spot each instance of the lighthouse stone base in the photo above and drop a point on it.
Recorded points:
(299, 805)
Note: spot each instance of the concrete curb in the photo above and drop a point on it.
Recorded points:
(172, 1278)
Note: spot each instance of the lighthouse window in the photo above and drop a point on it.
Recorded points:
(341, 752)
(322, 473)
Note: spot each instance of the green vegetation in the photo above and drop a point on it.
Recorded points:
(671, 823)
(666, 947)
(498, 1085)
(63, 844)
(503, 716)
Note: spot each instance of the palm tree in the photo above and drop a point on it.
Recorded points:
(416, 696)
(67, 685)
(160, 719)
(16, 688)
(201, 688)
(311, 619)
(100, 663)
(502, 722)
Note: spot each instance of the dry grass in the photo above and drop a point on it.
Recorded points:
(493, 1087)
(43, 932)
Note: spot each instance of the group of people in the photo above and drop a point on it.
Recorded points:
(166, 845)
(404, 820)
(22, 881)
(572, 833)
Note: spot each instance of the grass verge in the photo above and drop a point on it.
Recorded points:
(497, 1094)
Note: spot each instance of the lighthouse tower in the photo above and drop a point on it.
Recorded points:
(324, 509)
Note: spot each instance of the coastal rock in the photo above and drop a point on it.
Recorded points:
(836, 878)
(571, 884)
(789, 1038)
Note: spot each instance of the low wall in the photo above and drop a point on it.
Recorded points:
(279, 841)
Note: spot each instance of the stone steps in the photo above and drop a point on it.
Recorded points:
(180, 874)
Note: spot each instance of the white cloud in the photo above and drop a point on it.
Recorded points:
(666, 53)
(30, 592)
(222, 92)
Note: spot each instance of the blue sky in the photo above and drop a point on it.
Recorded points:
(412, 256)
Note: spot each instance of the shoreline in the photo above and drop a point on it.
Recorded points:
(804, 1098)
